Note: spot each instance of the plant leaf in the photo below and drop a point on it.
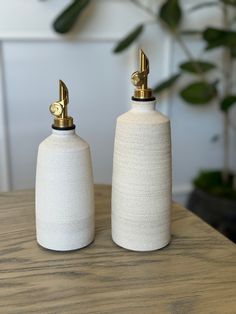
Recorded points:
(229, 2)
(219, 37)
(215, 138)
(198, 93)
(171, 13)
(129, 39)
(203, 5)
(228, 102)
(166, 84)
(233, 52)
(191, 32)
(202, 65)
(66, 20)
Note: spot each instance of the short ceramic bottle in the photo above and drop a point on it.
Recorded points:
(64, 185)
(141, 184)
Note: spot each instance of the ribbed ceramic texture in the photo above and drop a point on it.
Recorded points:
(141, 184)
(64, 192)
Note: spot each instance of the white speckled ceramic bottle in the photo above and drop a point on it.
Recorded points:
(64, 185)
(141, 184)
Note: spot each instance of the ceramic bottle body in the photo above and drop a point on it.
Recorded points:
(141, 184)
(64, 192)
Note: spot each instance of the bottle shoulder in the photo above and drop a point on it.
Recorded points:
(70, 142)
(143, 117)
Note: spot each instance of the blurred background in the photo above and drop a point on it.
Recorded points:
(33, 57)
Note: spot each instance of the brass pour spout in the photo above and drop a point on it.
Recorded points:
(59, 109)
(140, 79)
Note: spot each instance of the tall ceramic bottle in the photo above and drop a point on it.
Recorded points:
(141, 184)
(64, 185)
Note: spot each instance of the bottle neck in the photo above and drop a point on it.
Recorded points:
(63, 132)
(143, 106)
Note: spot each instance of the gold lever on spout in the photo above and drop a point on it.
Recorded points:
(59, 109)
(140, 79)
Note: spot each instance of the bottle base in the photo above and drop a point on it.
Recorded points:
(141, 248)
(67, 248)
(66, 236)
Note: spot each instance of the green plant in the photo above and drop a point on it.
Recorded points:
(203, 89)
(211, 182)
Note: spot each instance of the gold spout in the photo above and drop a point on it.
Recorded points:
(140, 79)
(59, 109)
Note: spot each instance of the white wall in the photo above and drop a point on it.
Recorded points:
(33, 58)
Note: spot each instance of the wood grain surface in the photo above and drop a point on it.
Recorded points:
(196, 273)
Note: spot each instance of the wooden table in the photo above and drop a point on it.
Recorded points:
(196, 273)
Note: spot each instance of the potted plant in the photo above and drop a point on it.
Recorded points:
(214, 195)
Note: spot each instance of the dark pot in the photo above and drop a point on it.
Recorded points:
(220, 213)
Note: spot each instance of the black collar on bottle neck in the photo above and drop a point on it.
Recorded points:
(63, 129)
(144, 99)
